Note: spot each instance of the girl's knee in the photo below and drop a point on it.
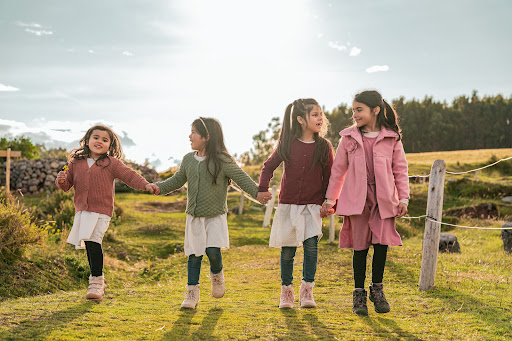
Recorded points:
(288, 253)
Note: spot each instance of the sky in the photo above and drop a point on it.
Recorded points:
(148, 68)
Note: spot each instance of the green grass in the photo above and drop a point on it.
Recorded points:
(146, 272)
(472, 290)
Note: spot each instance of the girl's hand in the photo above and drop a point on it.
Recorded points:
(402, 210)
(153, 189)
(327, 210)
(61, 177)
(264, 197)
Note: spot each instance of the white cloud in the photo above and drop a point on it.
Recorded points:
(39, 33)
(337, 46)
(127, 53)
(33, 25)
(8, 88)
(320, 35)
(91, 51)
(377, 68)
(355, 51)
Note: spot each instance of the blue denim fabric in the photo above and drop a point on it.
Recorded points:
(194, 264)
(310, 259)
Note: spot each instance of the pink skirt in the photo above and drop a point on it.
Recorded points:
(359, 232)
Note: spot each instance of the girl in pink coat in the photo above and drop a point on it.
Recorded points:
(370, 182)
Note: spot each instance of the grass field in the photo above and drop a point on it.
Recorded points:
(146, 271)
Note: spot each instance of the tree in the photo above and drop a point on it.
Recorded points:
(20, 143)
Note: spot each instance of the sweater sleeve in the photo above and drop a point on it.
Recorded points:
(174, 182)
(400, 171)
(326, 171)
(338, 172)
(68, 183)
(128, 175)
(242, 179)
(267, 172)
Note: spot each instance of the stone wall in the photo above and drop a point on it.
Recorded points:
(35, 176)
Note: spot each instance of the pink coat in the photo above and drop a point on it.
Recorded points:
(348, 174)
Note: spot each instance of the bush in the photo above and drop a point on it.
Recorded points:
(58, 209)
(16, 230)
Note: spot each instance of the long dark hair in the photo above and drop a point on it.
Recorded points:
(210, 129)
(84, 151)
(387, 116)
(291, 130)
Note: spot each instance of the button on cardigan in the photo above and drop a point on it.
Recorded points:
(94, 187)
(301, 183)
(205, 199)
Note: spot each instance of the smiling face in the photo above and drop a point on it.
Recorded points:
(364, 116)
(99, 143)
(197, 142)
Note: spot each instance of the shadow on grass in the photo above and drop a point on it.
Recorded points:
(317, 328)
(181, 328)
(388, 328)
(40, 327)
(295, 326)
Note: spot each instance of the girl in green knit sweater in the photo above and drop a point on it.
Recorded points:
(208, 171)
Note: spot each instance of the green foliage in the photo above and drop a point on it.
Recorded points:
(44, 153)
(56, 211)
(20, 143)
(477, 189)
(16, 230)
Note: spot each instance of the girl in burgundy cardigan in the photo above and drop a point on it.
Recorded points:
(92, 170)
(307, 158)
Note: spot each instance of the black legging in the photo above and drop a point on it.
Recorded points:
(378, 264)
(95, 257)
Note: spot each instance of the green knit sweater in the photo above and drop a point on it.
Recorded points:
(205, 199)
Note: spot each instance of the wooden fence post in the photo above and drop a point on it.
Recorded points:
(331, 227)
(8, 154)
(432, 228)
(270, 207)
(241, 206)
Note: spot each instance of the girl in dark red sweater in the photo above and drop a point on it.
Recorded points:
(307, 158)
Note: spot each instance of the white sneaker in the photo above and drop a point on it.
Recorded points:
(191, 297)
(306, 295)
(218, 284)
(287, 297)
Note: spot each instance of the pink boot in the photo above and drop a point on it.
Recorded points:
(218, 284)
(306, 295)
(287, 297)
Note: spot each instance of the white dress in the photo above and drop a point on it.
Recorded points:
(88, 226)
(203, 232)
(293, 224)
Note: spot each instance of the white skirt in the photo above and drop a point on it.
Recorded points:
(203, 232)
(88, 226)
(293, 224)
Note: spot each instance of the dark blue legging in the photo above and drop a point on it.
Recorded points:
(310, 259)
(194, 264)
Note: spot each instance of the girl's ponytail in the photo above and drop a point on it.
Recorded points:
(391, 119)
(284, 141)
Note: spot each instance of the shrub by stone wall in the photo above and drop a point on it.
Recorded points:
(36, 176)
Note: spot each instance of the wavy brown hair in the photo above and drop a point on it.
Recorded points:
(83, 152)
(387, 116)
(291, 130)
(211, 130)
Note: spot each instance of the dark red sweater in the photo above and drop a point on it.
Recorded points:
(301, 184)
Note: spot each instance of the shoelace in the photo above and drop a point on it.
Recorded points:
(217, 280)
(378, 294)
(288, 296)
(190, 294)
(307, 293)
(360, 299)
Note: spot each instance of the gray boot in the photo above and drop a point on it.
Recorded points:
(378, 298)
(359, 302)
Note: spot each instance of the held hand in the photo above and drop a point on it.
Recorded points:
(153, 189)
(326, 210)
(402, 210)
(61, 177)
(264, 197)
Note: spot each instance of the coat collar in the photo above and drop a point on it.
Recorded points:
(356, 134)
